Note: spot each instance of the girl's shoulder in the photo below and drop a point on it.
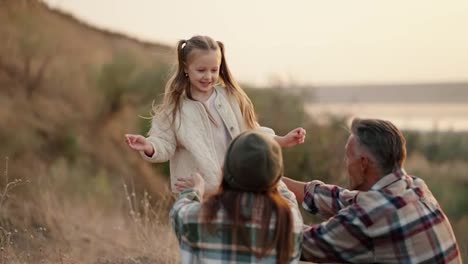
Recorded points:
(222, 91)
(220, 86)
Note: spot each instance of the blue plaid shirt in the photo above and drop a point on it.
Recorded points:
(198, 246)
(397, 221)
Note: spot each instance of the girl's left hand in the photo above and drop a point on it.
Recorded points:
(194, 181)
(294, 137)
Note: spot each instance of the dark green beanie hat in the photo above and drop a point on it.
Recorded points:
(254, 162)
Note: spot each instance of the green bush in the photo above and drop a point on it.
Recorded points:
(320, 157)
(439, 146)
(115, 80)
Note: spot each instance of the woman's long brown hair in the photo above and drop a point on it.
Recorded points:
(179, 83)
(272, 204)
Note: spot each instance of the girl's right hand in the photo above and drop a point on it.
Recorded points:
(139, 143)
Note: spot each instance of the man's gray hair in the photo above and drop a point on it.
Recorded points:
(383, 140)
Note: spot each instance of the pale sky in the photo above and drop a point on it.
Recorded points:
(305, 41)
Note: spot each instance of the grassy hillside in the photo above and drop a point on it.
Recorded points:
(68, 93)
(69, 89)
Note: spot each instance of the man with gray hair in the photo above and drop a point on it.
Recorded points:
(387, 216)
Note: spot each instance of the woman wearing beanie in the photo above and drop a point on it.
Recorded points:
(253, 218)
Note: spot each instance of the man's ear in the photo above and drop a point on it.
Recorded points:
(364, 163)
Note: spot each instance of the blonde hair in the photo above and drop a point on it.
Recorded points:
(179, 83)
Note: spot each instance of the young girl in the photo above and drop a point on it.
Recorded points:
(202, 111)
(253, 218)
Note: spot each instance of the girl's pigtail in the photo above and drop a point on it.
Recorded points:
(233, 88)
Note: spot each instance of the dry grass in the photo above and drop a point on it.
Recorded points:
(56, 227)
(68, 204)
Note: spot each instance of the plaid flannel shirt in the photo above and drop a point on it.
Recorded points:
(198, 246)
(397, 221)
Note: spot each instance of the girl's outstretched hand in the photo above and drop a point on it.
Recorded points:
(139, 143)
(194, 181)
(294, 137)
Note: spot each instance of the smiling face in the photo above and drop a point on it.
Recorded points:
(203, 72)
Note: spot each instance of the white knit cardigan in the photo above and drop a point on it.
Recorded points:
(188, 143)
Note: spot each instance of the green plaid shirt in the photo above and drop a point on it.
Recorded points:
(199, 246)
